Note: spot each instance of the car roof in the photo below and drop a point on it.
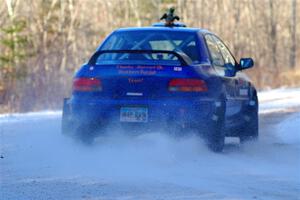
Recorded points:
(163, 28)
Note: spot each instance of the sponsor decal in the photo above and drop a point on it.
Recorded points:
(135, 80)
(139, 70)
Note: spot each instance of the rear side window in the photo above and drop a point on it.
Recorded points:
(185, 42)
(225, 52)
(215, 53)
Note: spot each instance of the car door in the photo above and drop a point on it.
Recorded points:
(230, 81)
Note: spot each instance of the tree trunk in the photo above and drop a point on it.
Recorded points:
(293, 35)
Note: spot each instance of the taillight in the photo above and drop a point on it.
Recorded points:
(187, 85)
(87, 85)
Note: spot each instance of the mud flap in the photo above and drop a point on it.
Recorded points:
(216, 134)
(250, 128)
(66, 124)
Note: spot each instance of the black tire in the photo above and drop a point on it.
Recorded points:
(250, 130)
(216, 134)
(85, 133)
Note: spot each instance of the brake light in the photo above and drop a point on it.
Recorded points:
(87, 85)
(187, 85)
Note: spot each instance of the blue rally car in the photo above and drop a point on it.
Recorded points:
(166, 77)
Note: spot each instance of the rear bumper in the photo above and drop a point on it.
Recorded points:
(160, 113)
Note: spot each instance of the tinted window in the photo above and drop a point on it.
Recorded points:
(154, 40)
(215, 53)
(228, 58)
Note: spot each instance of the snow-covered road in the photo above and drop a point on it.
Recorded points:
(39, 163)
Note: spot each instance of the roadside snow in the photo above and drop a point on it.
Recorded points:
(31, 116)
(279, 99)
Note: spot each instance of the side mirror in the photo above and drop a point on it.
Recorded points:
(246, 63)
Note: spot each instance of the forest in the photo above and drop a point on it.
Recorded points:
(43, 42)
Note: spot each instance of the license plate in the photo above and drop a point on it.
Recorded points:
(134, 114)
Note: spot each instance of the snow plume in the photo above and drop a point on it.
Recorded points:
(39, 163)
(288, 131)
(36, 150)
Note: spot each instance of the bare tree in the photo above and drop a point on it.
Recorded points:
(293, 28)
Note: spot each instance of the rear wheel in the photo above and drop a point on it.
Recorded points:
(250, 128)
(85, 133)
(215, 135)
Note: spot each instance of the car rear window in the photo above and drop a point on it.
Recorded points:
(184, 42)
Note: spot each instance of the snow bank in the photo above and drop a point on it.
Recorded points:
(279, 99)
(30, 116)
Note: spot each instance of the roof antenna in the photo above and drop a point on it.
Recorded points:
(169, 17)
